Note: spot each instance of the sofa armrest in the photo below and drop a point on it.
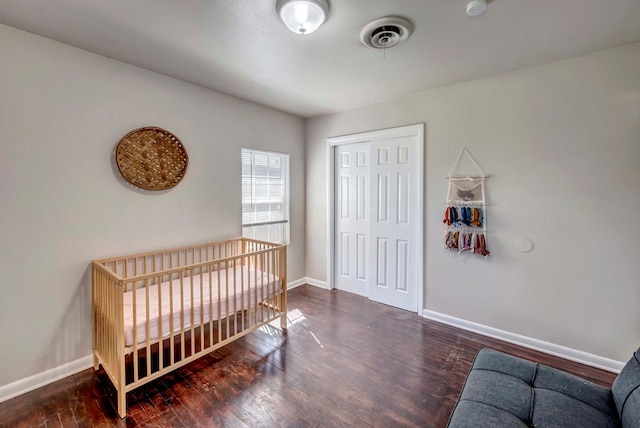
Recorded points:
(626, 392)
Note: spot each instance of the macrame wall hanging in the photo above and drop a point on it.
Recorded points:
(465, 216)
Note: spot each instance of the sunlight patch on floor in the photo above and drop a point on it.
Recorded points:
(294, 316)
(314, 336)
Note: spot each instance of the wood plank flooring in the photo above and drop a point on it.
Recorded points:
(345, 361)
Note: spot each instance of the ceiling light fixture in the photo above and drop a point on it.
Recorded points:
(303, 16)
(476, 7)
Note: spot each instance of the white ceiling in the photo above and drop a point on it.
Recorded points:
(241, 48)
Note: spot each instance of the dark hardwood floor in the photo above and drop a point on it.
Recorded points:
(345, 361)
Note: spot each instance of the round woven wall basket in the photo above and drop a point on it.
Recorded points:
(152, 158)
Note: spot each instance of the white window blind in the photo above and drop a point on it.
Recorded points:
(265, 195)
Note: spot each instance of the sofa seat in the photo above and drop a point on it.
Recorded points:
(505, 391)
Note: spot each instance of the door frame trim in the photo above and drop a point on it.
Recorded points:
(416, 131)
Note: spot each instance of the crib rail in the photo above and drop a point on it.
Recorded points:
(155, 312)
(153, 262)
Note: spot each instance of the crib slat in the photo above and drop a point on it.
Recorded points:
(226, 295)
(211, 306)
(202, 302)
(172, 357)
(192, 314)
(270, 285)
(265, 285)
(262, 287)
(242, 305)
(134, 305)
(147, 326)
(160, 330)
(219, 305)
(181, 315)
(235, 297)
(255, 287)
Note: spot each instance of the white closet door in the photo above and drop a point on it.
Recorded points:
(352, 204)
(394, 230)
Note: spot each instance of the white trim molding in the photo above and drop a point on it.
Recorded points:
(528, 342)
(297, 283)
(22, 386)
(307, 280)
(317, 283)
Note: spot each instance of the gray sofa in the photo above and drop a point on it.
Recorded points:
(505, 391)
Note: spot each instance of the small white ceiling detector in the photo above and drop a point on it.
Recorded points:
(476, 7)
(385, 32)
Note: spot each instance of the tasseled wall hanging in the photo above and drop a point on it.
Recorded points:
(465, 212)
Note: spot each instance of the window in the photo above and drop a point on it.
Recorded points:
(265, 195)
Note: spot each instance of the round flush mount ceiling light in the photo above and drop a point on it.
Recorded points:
(386, 32)
(303, 16)
(476, 7)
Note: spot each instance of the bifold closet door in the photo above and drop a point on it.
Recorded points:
(377, 236)
(393, 229)
(352, 201)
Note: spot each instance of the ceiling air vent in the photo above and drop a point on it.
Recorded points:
(386, 32)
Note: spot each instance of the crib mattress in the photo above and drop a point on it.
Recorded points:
(201, 298)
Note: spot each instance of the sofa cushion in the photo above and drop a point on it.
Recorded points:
(555, 409)
(577, 388)
(470, 414)
(502, 387)
(626, 392)
(489, 359)
(499, 390)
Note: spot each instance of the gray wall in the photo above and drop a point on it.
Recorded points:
(62, 112)
(562, 145)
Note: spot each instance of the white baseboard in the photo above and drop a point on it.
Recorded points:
(316, 283)
(528, 342)
(36, 381)
(306, 280)
(296, 283)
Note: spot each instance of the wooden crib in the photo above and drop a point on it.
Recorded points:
(155, 312)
